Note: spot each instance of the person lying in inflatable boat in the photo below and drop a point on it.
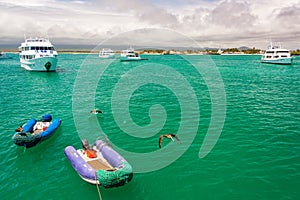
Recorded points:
(39, 126)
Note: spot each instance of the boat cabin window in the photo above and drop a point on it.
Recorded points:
(36, 48)
(284, 56)
(269, 51)
(41, 48)
(27, 57)
(283, 52)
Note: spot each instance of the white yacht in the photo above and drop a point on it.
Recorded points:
(277, 55)
(106, 53)
(38, 54)
(2, 55)
(130, 55)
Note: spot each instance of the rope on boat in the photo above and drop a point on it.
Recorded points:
(97, 185)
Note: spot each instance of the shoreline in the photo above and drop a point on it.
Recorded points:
(140, 52)
(145, 52)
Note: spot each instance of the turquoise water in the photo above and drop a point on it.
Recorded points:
(256, 157)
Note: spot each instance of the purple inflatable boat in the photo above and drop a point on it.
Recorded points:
(99, 164)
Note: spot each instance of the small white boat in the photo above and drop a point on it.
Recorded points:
(130, 55)
(2, 55)
(106, 53)
(275, 54)
(38, 54)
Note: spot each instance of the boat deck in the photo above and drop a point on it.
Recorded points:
(99, 164)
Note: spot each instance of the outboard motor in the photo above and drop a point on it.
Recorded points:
(90, 152)
(47, 118)
(85, 144)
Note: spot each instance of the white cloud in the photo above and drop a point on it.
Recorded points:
(225, 23)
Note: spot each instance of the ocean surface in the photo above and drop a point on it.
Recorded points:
(255, 138)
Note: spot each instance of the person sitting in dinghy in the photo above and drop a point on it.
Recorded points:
(91, 153)
(44, 123)
(19, 129)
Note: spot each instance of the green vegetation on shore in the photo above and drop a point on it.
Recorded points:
(295, 52)
(205, 51)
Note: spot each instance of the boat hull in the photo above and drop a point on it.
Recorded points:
(107, 56)
(27, 139)
(118, 175)
(282, 61)
(43, 64)
(130, 58)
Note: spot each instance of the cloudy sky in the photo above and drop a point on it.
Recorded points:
(213, 23)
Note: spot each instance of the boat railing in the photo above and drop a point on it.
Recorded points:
(36, 40)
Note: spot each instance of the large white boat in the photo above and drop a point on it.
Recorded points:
(275, 54)
(38, 54)
(106, 53)
(130, 55)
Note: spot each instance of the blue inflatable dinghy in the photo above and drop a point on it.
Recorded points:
(34, 131)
